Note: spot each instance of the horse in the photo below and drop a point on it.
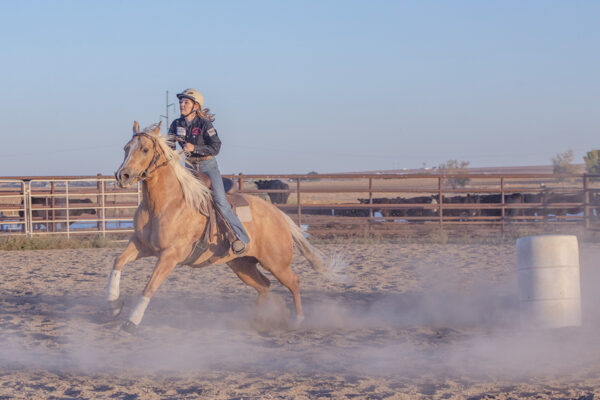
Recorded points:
(174, 216)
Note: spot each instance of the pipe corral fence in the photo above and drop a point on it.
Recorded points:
(323, 204)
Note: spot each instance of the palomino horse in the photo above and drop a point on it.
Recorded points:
(174, 215)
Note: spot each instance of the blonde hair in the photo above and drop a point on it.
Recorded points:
(205, 114)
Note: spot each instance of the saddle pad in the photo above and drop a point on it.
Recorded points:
(244, 213)
(240, 206)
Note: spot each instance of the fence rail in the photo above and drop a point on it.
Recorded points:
(78, 205)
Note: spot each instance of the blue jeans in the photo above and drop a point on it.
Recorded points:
(211, 168)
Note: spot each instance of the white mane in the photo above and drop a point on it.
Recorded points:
(197, 195)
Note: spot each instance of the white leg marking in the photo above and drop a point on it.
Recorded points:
(138, 312)
(112, 289)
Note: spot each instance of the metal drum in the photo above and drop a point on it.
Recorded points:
(549, 282)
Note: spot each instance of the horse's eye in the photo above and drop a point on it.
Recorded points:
(146, 150)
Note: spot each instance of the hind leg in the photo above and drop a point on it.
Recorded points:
(247, 271)
(284, 274)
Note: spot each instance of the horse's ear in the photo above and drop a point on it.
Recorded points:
(136, 127)
(157, 129)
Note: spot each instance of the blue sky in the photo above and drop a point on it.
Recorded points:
(329, 86)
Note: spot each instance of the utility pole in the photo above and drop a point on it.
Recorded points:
(167, 116)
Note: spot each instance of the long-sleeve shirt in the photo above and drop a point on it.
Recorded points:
(200, 133)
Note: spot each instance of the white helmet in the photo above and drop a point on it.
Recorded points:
(193, 95)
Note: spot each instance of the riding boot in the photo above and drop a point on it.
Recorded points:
(237, 246)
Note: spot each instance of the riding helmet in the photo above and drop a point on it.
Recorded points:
(193, 95)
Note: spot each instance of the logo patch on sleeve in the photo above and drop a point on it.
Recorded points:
(211, 132)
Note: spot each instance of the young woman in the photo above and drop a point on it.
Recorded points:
(199, 140)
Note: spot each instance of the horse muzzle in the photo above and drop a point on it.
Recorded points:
(125, 178)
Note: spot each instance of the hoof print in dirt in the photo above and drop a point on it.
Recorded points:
(129, 327)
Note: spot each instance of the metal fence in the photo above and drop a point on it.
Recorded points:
(333, 203)
(66, 206)
(386, 203)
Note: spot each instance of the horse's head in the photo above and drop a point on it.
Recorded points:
(141, 154)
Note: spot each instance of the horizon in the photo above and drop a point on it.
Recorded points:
(520, 169)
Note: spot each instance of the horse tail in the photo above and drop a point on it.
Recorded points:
(314, 256)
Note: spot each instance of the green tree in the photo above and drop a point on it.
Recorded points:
(592, 162)
(455, 167)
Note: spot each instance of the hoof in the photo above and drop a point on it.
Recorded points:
(129, 327)
(298, 322)
(115, 307)
(112, 312)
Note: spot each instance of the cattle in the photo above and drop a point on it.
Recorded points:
(276, 184)
(415, 211)
(548, 198)
(511, 198)
(462, 213)
(59, 202)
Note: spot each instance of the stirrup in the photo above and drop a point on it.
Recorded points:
(238, 247)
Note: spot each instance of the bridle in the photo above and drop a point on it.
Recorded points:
(155, 157)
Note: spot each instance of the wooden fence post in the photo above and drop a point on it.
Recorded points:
(503, 214)
(53, 202)
(99, 201)
(298, 199)
(371, 197)
(26, 208)
(440, 201)
(586, 202)
(241, 182)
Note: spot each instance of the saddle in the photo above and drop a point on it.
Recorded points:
(218, 234)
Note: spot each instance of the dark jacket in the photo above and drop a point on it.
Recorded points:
(200, 133)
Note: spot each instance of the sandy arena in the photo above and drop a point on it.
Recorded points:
(409, 321)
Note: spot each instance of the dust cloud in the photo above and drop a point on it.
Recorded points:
(395, 312)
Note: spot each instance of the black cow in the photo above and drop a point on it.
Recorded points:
(276, 198)
(512, 198)
(463, 213)
(59, 202)
(415, 211)
(548, 197)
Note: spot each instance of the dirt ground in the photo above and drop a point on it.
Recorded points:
(412, 321)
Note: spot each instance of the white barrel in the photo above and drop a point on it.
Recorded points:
(549, 283)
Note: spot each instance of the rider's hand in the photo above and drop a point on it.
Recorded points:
(188, 147)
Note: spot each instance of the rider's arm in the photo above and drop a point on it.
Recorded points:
(212, 143)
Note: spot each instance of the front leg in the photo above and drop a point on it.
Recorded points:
(131, 253)
(166, 262)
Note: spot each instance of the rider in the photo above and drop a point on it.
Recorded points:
(199, 140)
